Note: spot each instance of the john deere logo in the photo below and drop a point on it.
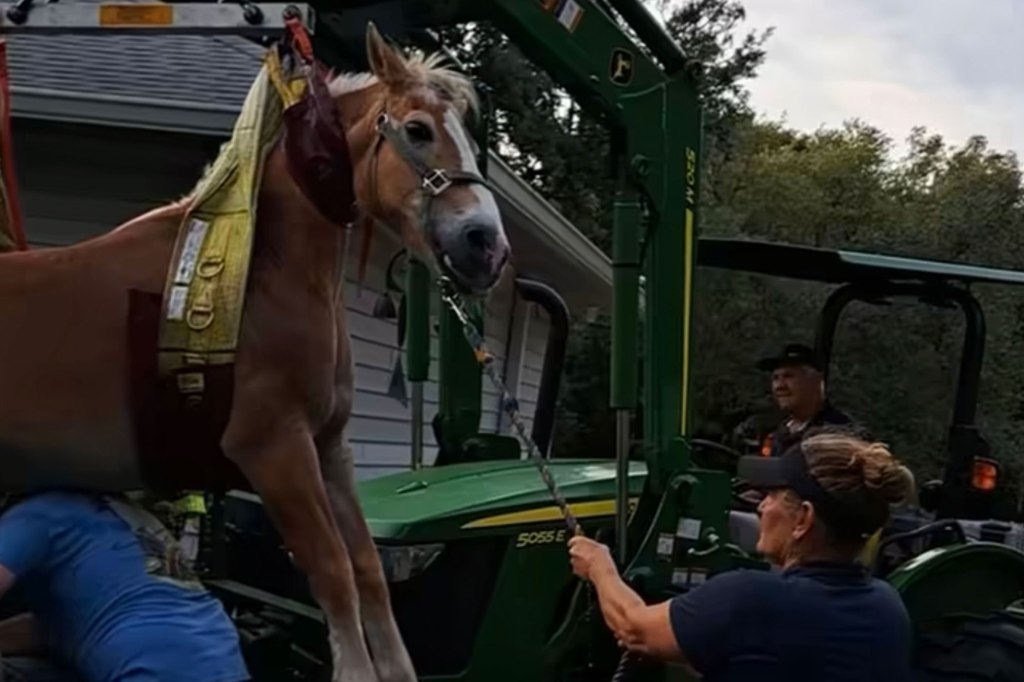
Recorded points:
(620, 71)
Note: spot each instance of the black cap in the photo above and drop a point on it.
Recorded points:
(792, 354)
(789, 470)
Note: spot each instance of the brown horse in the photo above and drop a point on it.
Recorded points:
(66, 413)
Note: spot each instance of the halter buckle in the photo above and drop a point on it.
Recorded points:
(436, 181)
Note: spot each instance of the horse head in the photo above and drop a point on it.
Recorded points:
(415, 164)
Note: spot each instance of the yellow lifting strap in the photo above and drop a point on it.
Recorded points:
(190, 503)
(205, 288)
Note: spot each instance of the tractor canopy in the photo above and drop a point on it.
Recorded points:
(838, 266)
(876, 278)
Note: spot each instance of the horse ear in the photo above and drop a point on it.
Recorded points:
(385, 63)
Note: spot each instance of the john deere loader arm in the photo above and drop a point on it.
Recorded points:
(620, 65)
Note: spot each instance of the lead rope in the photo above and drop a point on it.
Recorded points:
(510, 406)
(508, 403)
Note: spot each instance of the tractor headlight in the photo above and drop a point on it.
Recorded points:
(405, 562)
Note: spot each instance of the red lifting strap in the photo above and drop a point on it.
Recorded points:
(10, 182)
(300, 37)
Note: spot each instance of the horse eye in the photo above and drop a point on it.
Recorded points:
(418, 132)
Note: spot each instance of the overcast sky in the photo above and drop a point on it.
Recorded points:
(946, 64)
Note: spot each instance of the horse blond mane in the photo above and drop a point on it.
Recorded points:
(428, 70)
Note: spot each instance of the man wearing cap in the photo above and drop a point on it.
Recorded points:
(798, 387)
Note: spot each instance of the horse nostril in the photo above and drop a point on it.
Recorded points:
(480, 237)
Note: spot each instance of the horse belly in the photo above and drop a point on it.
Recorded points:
(65, 407)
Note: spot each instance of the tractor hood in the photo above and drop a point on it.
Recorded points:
(438, 503)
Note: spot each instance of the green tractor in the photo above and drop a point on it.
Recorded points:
(955, 560)
(477, 539)
(490, 528)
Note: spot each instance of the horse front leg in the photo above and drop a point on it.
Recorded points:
(390, 656)
(283, 468)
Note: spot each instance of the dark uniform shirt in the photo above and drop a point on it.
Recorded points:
(779, 441)
(820, 622)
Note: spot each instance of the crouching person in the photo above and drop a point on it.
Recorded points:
(100, 606)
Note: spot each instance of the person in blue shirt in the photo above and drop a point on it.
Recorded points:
(818, 616)
(95, 609)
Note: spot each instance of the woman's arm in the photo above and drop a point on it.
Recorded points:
(697, 628)
(637, 627)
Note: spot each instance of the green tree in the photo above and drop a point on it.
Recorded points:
(895, 366)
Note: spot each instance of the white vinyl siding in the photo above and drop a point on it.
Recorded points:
(80, 181)
(533, 363)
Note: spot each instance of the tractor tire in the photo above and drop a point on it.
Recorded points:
(988, 648)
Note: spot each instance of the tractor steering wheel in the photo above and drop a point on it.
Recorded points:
(723, 457)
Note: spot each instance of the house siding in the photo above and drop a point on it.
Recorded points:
(533, 363)
(78, 181)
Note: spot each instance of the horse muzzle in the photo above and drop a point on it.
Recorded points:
(474, 253)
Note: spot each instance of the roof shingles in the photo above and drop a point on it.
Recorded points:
(206, 69)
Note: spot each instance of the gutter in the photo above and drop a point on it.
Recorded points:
(119, 111)
(561, 235)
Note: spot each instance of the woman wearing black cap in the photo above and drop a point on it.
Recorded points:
(820, 617)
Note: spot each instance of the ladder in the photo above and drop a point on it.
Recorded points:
(241, 17)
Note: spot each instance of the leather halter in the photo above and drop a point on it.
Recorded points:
(319, 161)
(433, 181)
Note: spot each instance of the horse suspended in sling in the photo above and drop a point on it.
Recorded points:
(67, 417)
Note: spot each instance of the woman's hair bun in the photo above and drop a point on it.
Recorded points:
(882, 473)
(846, 463)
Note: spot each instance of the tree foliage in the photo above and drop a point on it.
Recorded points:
(895, 366)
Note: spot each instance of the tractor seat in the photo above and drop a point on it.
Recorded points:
(744, 528)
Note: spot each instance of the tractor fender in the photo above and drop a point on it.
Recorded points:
(972, 578)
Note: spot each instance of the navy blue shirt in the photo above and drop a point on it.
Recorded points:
(819, 623)
(82, 573)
